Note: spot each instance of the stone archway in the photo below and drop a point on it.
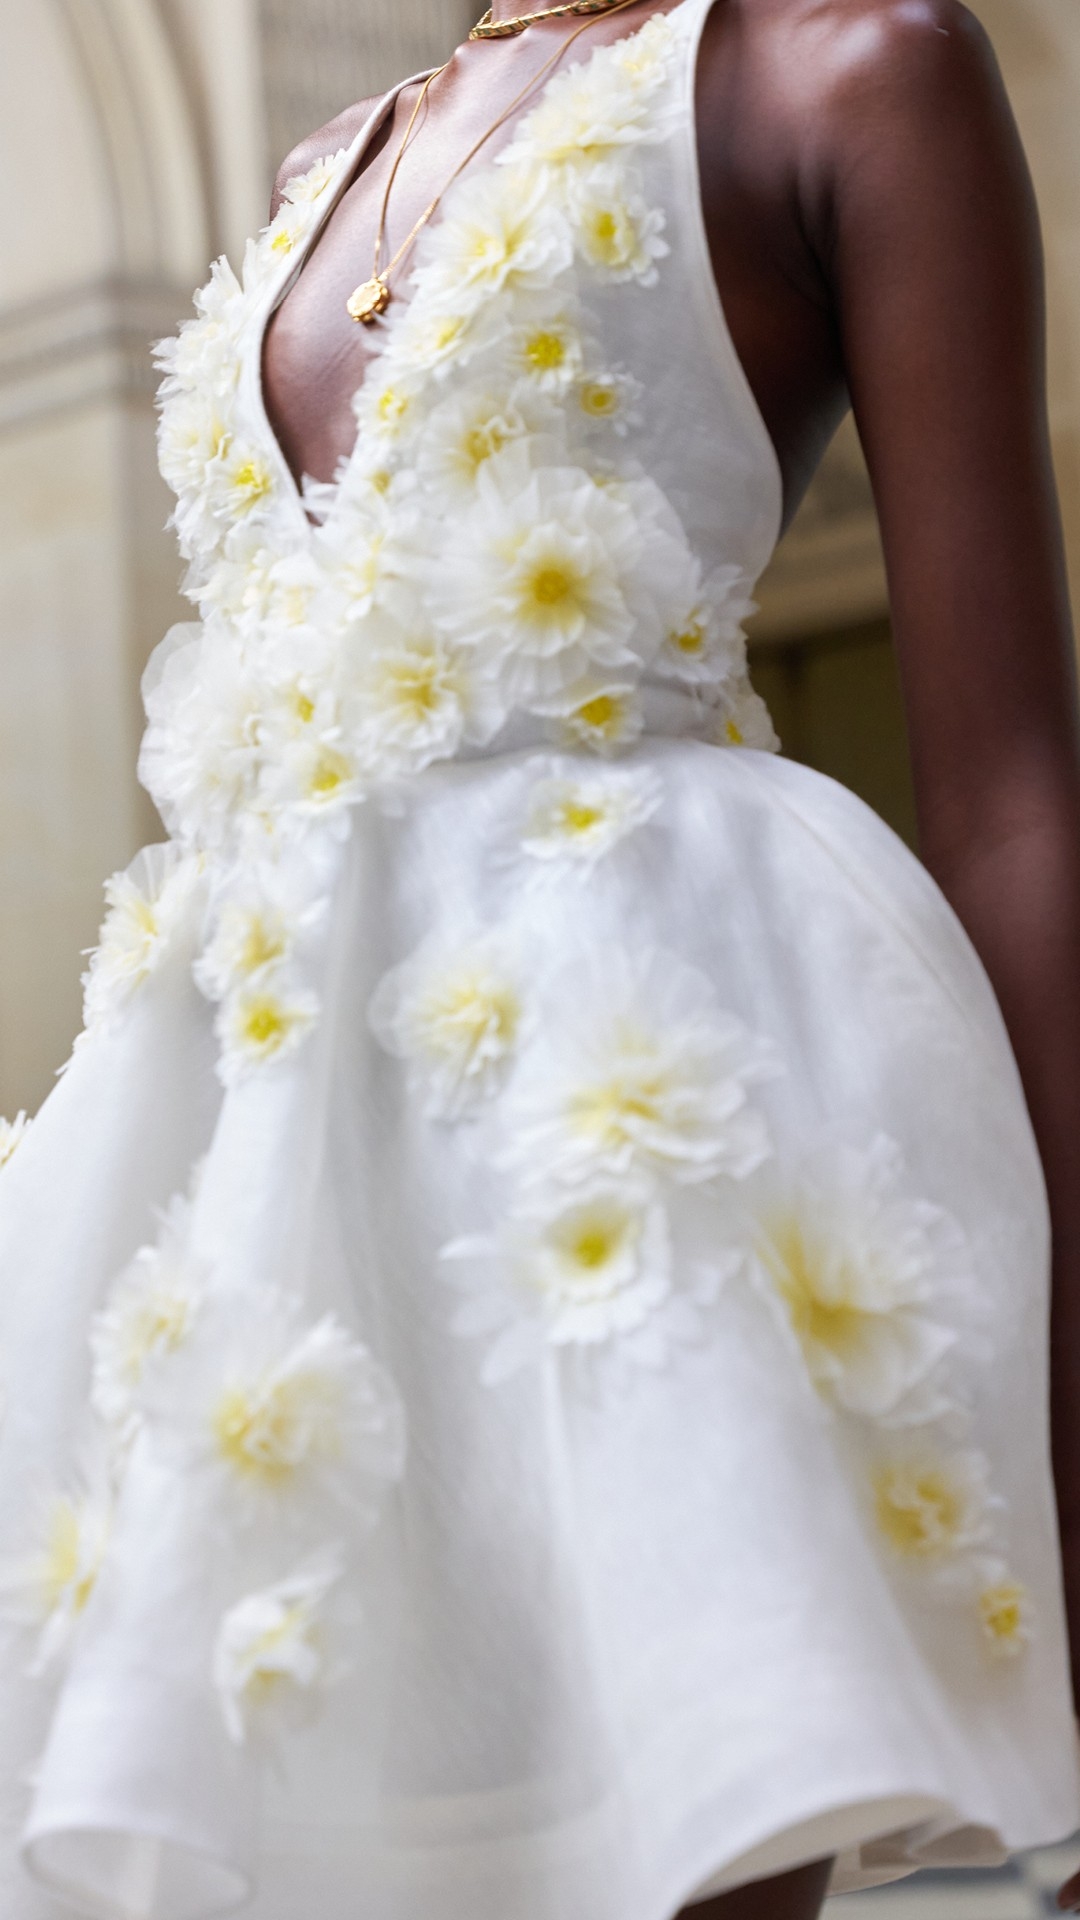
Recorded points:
(99, 261)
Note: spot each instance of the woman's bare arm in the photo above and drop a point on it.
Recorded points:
(935, 257)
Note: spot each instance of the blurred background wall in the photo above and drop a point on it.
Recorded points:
(138, 138)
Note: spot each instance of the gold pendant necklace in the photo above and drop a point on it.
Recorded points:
(489, 29)
(374, 296)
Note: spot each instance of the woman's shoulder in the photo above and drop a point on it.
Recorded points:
(903, 45)
(337, 133)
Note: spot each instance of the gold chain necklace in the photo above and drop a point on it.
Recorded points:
(374, 296)
(489, 29)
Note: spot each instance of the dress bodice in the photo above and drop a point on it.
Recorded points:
(560, 495)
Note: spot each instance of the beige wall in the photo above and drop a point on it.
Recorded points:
(164, 118)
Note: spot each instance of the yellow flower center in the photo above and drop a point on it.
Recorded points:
(392, 406)
(600, 398)
(253, 480)
(588, 1245)
(579, 817)
(415, 690)
(331, 772)
(380, 481)
(471, 1010)
(605, 1112)
(545, 351)
(593, 1247)
(606, 235)
(266, 1025)
(446, 333)
(61, 1575)
(261, 946)
(733, 734)
(257, 1437)
(918, 1510)
(822, 1315)
(690, 640)
(484, 441)
(551, 585)
(603, 714)
(1002, 1611)
(144, 915)
(282, 242)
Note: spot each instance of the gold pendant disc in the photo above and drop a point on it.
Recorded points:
(369, 301)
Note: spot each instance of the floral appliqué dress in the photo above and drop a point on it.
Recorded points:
(523, 1323)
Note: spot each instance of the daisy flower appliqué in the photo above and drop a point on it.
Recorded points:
(270, 1663)
(282, 1416)
(639, 1068)
(455, 1011)
(47, 1591)
(575, 819)
(149, 906)
(862, 1274)
(149, 1313)
(932, 1505)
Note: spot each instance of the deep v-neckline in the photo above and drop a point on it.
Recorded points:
(279, 289)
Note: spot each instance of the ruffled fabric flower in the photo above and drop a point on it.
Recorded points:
(638, 1069)
(204, 356)
(586, 1269)
(598, 112)
(705, 644)
(607, 718)
(261, 590)
(12, 1135)
(418, 700)
(422, 340)
(466, 431)
(1006, 1612)
(242, 482)
(616, 231)
(266, 913)
(578, 819)
(931, 1505)
(193, 438)
(261, 1024)
(46, 1592)
(366, 566)
(595, 1270)
(546, 346)
(149, 1313)
(500, 232)
(455, 1011)
(150, 905)
(741, 718)
(270, 1661)
(537, 582)
(305, 189)
(609, 400)
(283, 1417)
(865, 1276)
(388, 407)
(200, 758)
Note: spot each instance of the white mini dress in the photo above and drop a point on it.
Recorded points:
(523, 1324)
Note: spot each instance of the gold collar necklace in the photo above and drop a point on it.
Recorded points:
(489, 29)
(373, 298)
